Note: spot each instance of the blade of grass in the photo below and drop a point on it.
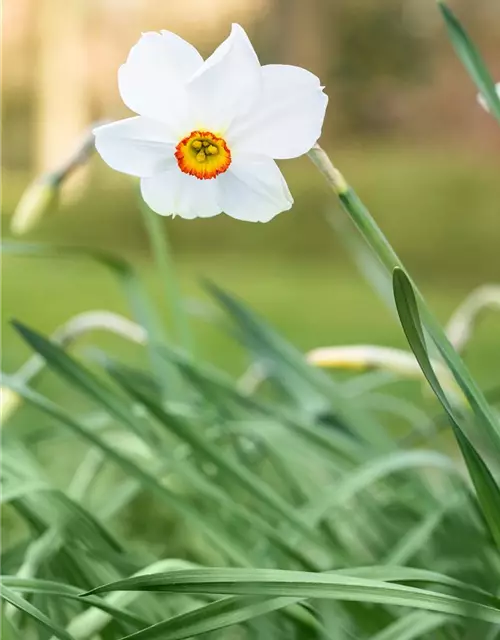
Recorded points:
(487, 490)
(413, 625)
(471, 59)
(204, 483)
(58, 589)
(216, 534)
(373, 235)
(316, 391)
(140, 305)
(234, 472)
(38, 616)
(85, 381)
(275, 583)
(366, 263)
(92, 622)
(156, 230)
(211, 617)
(74, 520)
(417, 538)
(366, 475)
(209, 381)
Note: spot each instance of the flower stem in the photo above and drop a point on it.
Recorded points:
(165, 265)
(379, 244)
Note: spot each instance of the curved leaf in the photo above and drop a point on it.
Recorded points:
(336, 586)
(471, 59)
(488, 492)
(51, 588)
(38, 616)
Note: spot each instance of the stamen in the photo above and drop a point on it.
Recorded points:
(203, 154)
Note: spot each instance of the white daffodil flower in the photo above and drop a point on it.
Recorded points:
(482, 101)
(208, 132)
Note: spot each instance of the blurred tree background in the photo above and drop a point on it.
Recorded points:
(403, 124)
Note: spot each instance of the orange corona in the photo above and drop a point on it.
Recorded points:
(203, 155)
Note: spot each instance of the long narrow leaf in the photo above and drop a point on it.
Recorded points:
(316, 391)
(471, 59)
(379, 244)
(38, 616)
(260, 582)
(215, 533)
(127, 277)
(211, 617)
(81, 378)
(412, 626)
(235, 472)
(57, 589)
(488, 492)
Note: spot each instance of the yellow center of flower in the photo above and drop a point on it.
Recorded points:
(203, 155)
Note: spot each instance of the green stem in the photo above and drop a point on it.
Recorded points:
(379, 244)
(165, 264)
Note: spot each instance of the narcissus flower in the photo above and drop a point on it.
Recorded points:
(208, 132)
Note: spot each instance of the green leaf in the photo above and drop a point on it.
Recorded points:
(128, 278)
(418, 537)
(471, 59)
(487, 490)
(82, 379)
(214, 383)
(51, 588)
(214, 531)
(74, 520)
(233, 471)
(379, 244)
(394, 573)
(157, 233)
(411, 626)
(211, 617)
(364, 476)
(308, 386)
(130, 379)
(262, 582)
(26, 607)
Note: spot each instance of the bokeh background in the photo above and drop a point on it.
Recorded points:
(403, 124)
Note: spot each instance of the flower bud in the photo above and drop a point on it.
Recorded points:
(9, 402)
(39, 198)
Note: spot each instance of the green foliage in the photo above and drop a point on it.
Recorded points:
(289, 508)
(254, 481)
(486, 487)
(471, 59)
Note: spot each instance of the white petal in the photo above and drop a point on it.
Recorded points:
(228, 83)
(482, 101)
(177, 193)
(288, 118)
(152, 80)
(253, 189)
(137, 146)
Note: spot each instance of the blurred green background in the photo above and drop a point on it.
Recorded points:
(403, 125)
